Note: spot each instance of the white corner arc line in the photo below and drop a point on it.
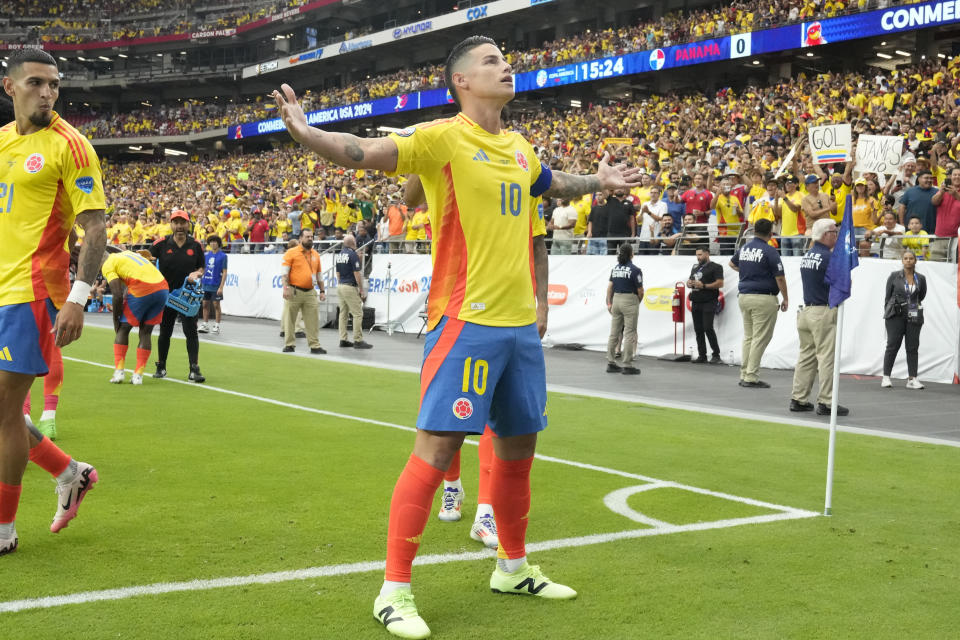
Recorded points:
(616, 501)
(545, 458)
(161, 588)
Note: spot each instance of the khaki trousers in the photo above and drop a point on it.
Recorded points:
(305, 302)
(759, 314)
(817, 327)
(350, 301)
(625, 311)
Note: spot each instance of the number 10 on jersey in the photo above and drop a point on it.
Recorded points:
(511, 201)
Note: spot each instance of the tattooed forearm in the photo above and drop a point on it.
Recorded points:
(353, 152)
(351, 148)
(541, 269)
(565, 185)
(94, 244)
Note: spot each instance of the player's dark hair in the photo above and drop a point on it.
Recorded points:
(763, 227)
(21, 56)
(624, 253)
(215, 238)
(456, 55)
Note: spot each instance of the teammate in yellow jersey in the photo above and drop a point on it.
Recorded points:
(49, 178)
(487, 308)
(139, 296)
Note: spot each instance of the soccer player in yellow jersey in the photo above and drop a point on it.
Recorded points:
(49, 178)
(139, 296)
(487, 308)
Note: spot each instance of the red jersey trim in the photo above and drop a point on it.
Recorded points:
(79, 140)
(446, 341)
(71, 134)
(450, 257)
(73, 149)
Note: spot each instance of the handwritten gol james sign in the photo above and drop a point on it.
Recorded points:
(879, 154)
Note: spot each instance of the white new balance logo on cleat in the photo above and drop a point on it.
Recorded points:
(481, 156)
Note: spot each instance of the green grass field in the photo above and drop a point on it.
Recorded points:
(199, 484)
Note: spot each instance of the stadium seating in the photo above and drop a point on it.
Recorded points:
(673, 28)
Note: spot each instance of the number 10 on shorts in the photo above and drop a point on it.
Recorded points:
(477, 374)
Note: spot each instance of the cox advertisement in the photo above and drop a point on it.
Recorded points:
(578, 310)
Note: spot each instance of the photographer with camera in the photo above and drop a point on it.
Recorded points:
(903, 314)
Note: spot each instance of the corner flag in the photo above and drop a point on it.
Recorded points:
(843, 259)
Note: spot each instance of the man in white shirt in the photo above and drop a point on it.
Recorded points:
(886, 232)
(561, 223)
(647, 218)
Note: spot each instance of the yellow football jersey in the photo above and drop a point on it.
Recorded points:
(46, 179)
(135, 271)
(480, 189)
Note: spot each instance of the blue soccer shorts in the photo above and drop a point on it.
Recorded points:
(474, 375)
(26, 341)
(144, 310)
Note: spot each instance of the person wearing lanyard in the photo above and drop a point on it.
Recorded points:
(761, 277)
(301, 274)
(705, 283)
(816, 324)
(350, 292)
(624, 294)
(903, 314)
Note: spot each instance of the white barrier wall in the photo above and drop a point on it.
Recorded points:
(578, 311)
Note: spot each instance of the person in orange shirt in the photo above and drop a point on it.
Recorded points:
(301, 276)
(397, 216)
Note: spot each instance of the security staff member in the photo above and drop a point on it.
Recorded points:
(816, 324)
(351, 294)
(179, 256)
(706, 280)
(761, 277)
(301, 274)
(624, 294)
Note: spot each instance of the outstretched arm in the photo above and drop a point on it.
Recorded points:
(340, 148)
(566, 185)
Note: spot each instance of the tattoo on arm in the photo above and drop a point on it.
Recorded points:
(94, 244)
(565, 185)
(352, 149)
(541, 269)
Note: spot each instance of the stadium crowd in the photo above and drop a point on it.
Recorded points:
(674, 27)
(731, 144)
(77, 22)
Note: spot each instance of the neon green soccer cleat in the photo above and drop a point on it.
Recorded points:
(48, 428)
(398, 614)
(528, 580)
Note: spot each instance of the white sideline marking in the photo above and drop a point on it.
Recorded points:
(161, 588)
(381, 423)
(616, 501)
(622, 397)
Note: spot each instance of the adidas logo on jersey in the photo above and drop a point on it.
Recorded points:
(481, 156)
(5, 354)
